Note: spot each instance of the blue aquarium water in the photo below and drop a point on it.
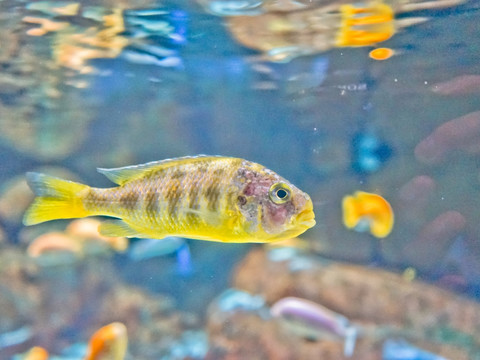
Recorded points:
(371, 108)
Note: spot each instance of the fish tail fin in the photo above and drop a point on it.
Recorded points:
(55, 199)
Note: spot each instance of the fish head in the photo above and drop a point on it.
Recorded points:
(273, 209)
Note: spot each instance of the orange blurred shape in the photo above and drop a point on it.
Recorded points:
(108, 343)
(36, 353)
(74, 50)
(365, 26)
(88, 229)
(47, 25)
(75, 57)
(381, 53)
(365, 209)
(105, 39)
(115, 20)
(51, 242)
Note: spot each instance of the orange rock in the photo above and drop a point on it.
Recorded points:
(53, 241)
(88, 229)
(362, 294)
(381, 303)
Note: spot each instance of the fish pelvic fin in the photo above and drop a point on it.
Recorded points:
(55, 199)
(114, 228)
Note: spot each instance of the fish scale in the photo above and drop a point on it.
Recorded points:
(182, 191)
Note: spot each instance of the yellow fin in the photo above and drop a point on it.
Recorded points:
(210, 217)
(123, 174)
(116, 228)
(56, 199)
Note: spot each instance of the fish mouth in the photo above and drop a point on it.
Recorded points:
(306, 218)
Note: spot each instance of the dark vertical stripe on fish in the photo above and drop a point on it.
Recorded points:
(194, 195)
(128, 199)
(173, 195)
(202, 168)
(212, 195)
(219, 172)
(151, 202)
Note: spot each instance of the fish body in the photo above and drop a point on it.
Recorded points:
(204, 197)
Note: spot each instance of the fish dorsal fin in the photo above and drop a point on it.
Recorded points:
(123, 174)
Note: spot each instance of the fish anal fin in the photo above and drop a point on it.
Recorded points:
(114, 228)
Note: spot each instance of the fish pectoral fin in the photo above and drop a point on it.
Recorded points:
(116, 228)
(210, 217)
(235, 224)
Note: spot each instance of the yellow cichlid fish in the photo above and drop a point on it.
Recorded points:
(203, 197)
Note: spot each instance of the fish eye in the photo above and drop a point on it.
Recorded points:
(280, 193)
(242, 200)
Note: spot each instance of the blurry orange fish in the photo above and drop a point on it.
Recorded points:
(364, 211)
(381, 54)
(108, 343)
(36, 353)
(204, 197)
(362, 26)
